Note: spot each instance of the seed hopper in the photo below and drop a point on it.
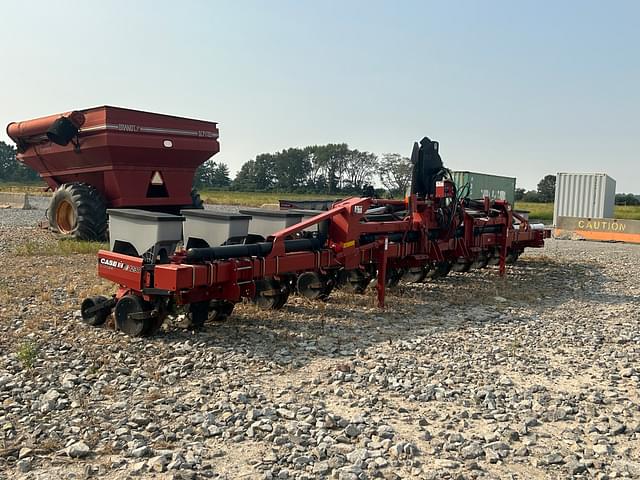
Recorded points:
(265, 256)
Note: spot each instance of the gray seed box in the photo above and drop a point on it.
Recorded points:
(212, 228)
(266, 222)
(145, 231)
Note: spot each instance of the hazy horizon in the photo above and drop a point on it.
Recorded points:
(521, 89)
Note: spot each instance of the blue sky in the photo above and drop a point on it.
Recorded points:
(515, 88)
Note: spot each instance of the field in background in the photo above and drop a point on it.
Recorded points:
(37, 188)
(539, 211)
(255, 199)
(628, 212)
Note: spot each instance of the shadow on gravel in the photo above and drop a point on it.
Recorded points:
(304, 330)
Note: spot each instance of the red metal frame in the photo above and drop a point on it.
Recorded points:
(117, 152)
(235, 278)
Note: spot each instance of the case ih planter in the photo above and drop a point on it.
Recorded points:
(110, 157)
(427, 235)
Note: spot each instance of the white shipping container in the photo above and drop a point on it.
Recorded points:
(590, 195)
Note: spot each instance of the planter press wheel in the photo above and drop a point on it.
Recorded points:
(134, 316)
(353, 281)
(481, 261)
(96, 310)
(198, 314)
(512, 256)
(461, 266)
(439, 270)
(270, 294)
(220, 310)
(393, 277)
(314, 286)
(415, 274)
(212, 311)
(494, 258)
(79, 211)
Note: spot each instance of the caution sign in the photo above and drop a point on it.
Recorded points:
(603, 229)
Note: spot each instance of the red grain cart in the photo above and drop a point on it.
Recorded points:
(111, 157)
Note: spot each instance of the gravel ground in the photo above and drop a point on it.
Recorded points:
(535, 375)
(13, 217)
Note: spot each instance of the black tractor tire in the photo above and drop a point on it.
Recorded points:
(196, 200)
(79, 211)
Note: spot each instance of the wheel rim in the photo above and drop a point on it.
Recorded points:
(66, 217)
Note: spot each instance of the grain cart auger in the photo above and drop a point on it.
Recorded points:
(265, 255)
(110, 157)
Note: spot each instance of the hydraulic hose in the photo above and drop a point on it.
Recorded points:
(262, 249)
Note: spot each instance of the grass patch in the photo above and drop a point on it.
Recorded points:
(539, 211)
(255, 199)
(36, 187)
(60, 247)
(27, 354)
(627, 212)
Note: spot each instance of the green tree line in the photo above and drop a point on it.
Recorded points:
(13, 171)
(545, 193)
(322, 169)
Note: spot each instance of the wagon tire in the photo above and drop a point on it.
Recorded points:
(78, 210)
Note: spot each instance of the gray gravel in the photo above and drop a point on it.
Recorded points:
(14, 217)
(532, 376)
